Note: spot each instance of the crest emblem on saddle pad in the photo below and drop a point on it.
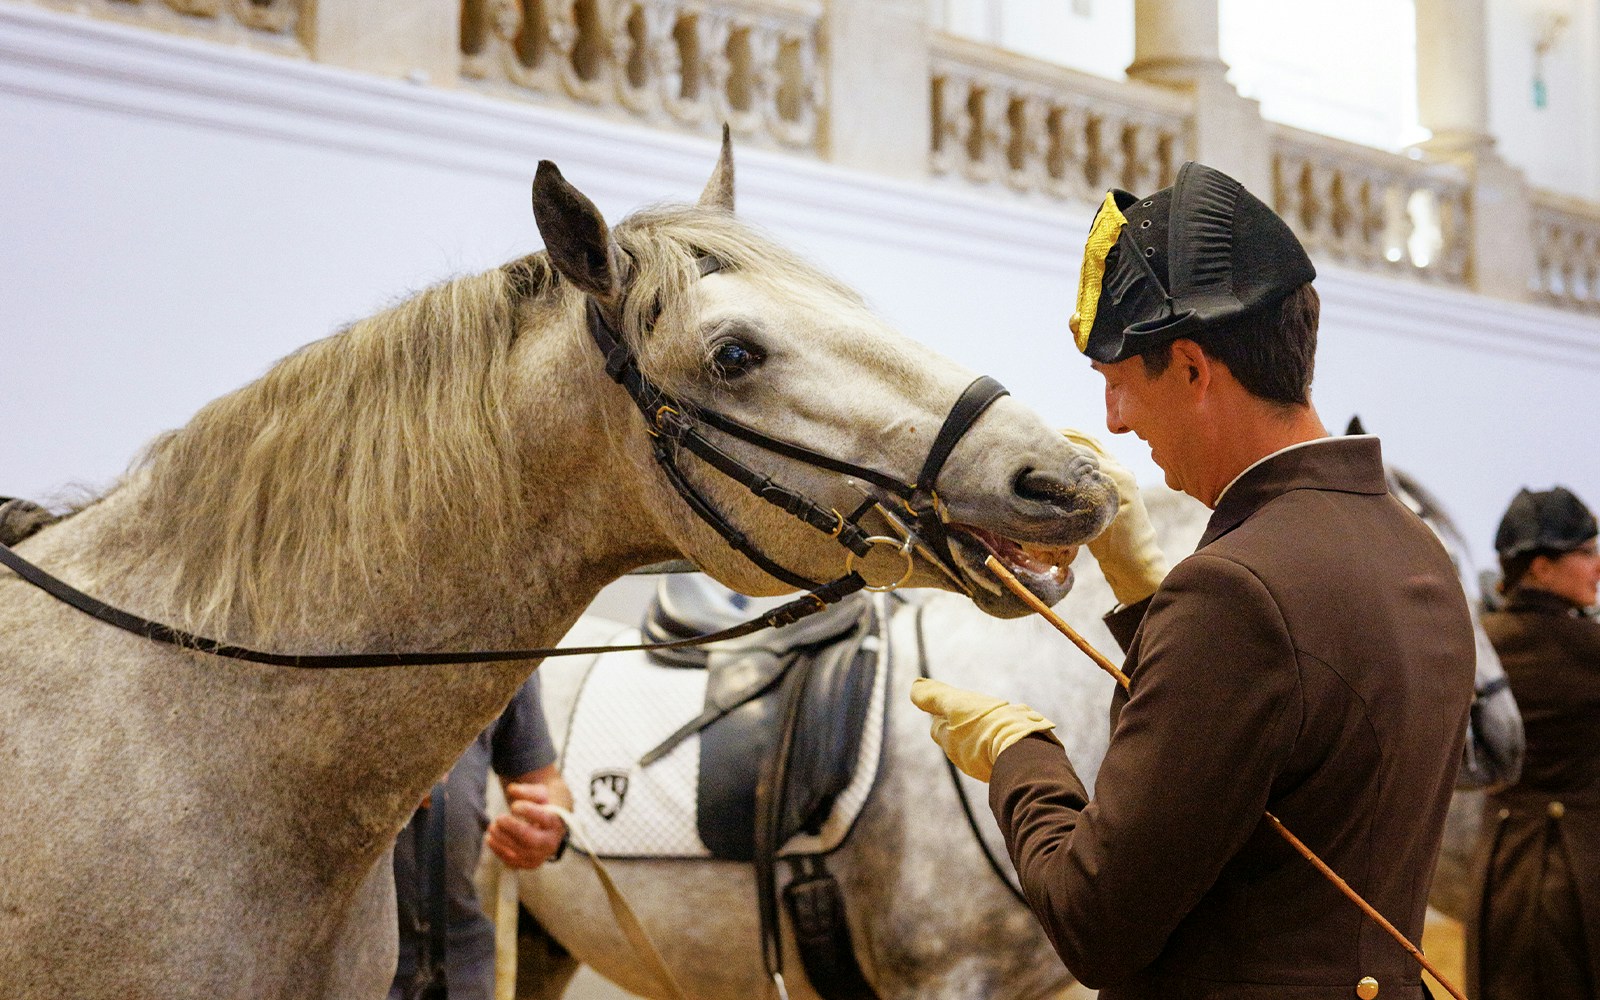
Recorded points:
(607, 789)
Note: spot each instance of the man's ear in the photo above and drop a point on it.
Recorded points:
(1195, 365)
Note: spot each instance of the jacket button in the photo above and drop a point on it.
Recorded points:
(1367, 988)
(1505, 814)
(1557, 810)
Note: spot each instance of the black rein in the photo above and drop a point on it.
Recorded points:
(671, 425)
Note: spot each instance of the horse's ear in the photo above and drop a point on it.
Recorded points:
(719, 189)
(575, 234)
(1354, 427)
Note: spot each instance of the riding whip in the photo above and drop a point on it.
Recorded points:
(1026, 596)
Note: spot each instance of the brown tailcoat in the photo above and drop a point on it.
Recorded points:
(1535, 928)
(1314, 657)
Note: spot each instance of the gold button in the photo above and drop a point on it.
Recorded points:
(1505, 814)
(1367, 988)
(1072, 324)
(1557, 810)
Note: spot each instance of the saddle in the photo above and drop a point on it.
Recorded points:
(780, 738)
(795, 700)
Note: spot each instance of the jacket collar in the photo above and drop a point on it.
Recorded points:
(1534, 599)
(1338, 464)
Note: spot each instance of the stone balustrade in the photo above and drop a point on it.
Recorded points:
(912, 101)
(1365, 208)
(1566, 244)
(1002, 118)
(690, 64)
(270, 24)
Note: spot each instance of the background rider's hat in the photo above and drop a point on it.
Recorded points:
(1198, 254)
(1552, 520)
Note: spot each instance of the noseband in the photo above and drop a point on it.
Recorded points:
(672, 425)
(675, 426)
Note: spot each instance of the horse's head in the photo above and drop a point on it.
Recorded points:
(739, 334)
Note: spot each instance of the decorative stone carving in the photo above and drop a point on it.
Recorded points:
(679, 63)
(1039, 128)
(1362, 207)
(1566, 244)
(270, 24)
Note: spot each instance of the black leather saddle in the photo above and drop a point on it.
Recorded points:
(780, 735)
(804, 690)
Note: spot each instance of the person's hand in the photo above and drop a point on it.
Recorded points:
(530, 833)
(1130, 559)
(973, 728)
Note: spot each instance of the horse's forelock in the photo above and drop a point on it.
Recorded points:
(662, 245)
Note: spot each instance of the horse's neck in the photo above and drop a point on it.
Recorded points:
(584, 526)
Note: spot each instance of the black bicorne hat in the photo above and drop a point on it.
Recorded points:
(1197, 254)
(1552, 520)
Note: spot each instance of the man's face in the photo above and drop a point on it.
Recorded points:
(1154, 408)
(1574, 575)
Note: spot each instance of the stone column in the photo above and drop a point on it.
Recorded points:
(417, 39)
(1453, 75)
(878, 77)
(1453, 103)
(1175, 44)
(1175, 41)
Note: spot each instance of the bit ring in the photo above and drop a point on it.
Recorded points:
(904, 548)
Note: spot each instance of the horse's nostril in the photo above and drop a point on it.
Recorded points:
(1042, 487)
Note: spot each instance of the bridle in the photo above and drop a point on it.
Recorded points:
(673, 424)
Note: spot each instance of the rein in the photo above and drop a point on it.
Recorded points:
(995, 864)
(671, 424)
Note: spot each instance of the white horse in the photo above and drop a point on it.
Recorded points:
(929, 915)
(457, 472)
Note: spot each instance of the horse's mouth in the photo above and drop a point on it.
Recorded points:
(1045, 570)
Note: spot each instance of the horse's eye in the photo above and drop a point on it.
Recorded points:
(731, 359)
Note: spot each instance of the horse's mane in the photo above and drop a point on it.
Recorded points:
(355, 453)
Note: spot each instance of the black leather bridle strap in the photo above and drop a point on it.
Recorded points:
(673, 426)
(924, 504)
(673, 421)
(738, 540)
(784, 614)
(800, 453)
(974, 400)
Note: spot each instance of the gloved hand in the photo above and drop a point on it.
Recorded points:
(973, 728)
(1127, 551)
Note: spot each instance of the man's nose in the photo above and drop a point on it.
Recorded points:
(1114, 422)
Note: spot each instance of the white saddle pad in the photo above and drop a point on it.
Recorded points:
(627, 705)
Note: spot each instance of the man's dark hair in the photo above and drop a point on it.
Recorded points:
(1515, 568)
(1271, 351)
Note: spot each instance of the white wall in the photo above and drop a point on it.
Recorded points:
(1558, 145)
(1345, 68)
(1095, 36)
(174, 217)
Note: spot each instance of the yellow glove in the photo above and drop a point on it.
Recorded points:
(973, 728)
(1127, 552)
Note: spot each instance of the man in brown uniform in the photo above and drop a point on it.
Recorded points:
(1314, 657)
(1535, 934)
